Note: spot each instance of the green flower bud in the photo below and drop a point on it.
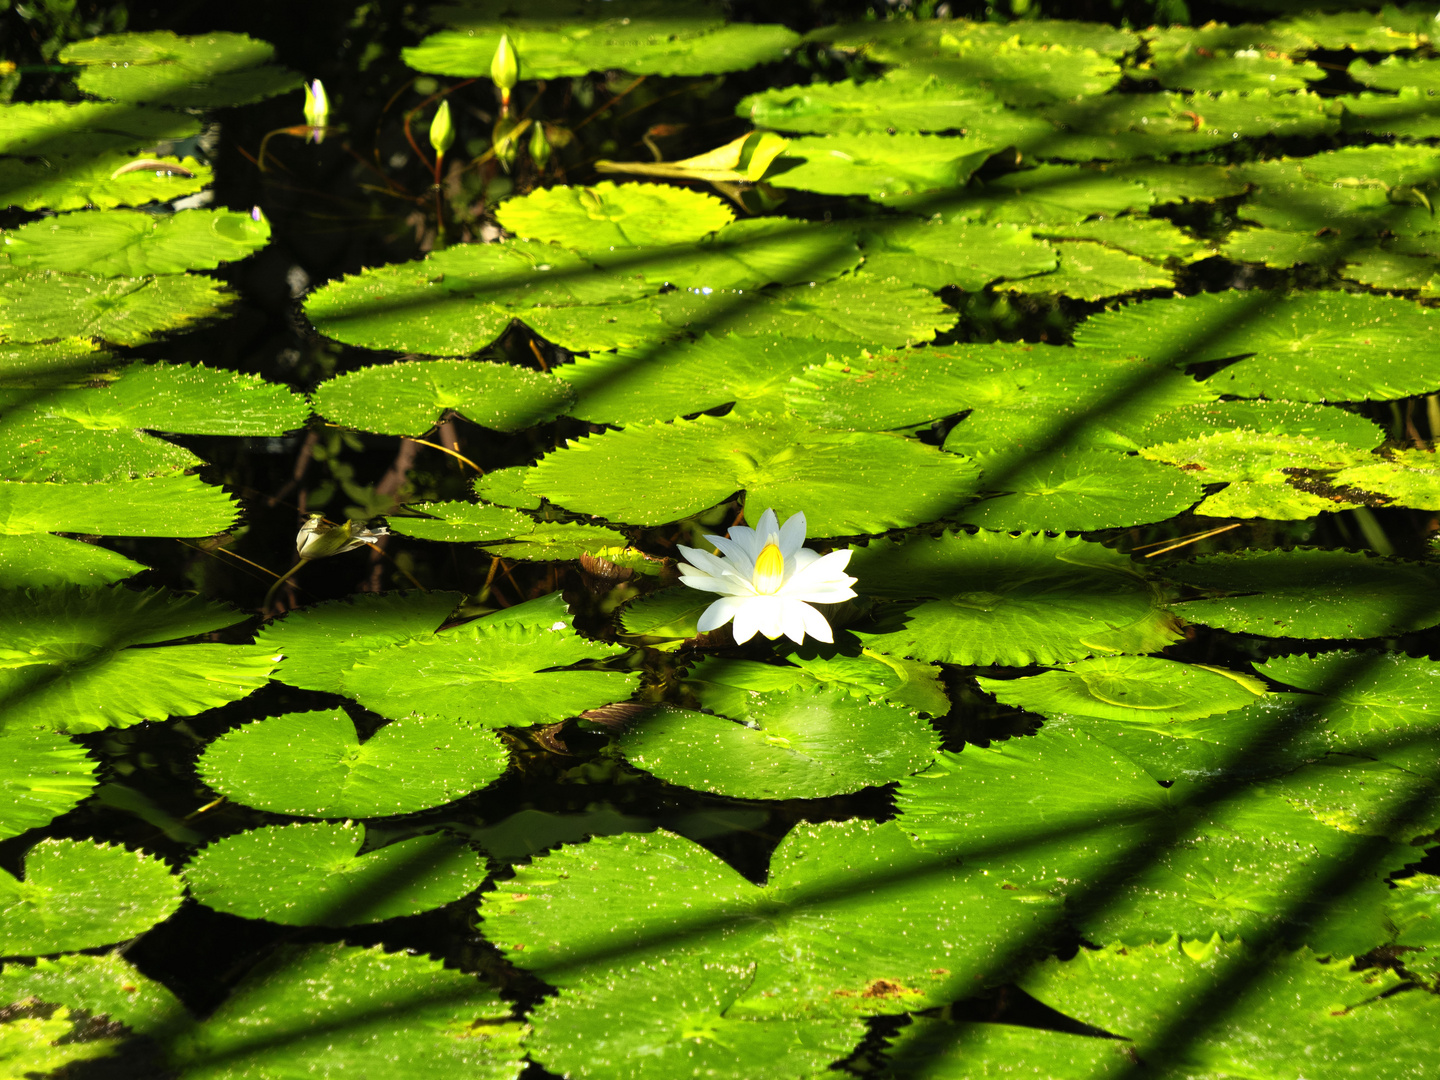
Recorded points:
(442, 132)
(505, 68)
(539, 147)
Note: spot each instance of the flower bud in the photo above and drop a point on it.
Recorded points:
(539, 147)
(317, 110)
(505, 68)
(442, 132)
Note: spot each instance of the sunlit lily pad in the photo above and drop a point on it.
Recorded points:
(881, 166)
(796, 745)
(313, 764)
(283, 1017)
(410, 397)
(853, 919)
(1315, 346)
(1079, 490)
(161, 67)
(624, 1029)
(42, 775)
(1310, 593)
(32, 560)
(41, 304)
(687, 377)
(80, 895)
(1276, 1009)
(130, 243)
(1138, 689)
(990, 598)
(608, 216)
(846, 483)
(72, 665)
(315, 875)
(682, 43)
(107, 179)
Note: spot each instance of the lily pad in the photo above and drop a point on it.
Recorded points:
(131, 243)
(41, 304)
(80, 895)
(312, 764)
(990, 598)
(207, 71)
(43, 775)
(795, 745)
(410, 397)
(1308, 346)
(1310, 593)
(836, 477)
(1080, 490)
(880, 166)
(313, 875)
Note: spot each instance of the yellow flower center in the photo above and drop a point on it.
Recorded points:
(769, 569)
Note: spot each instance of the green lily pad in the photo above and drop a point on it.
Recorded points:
(732, 687)
(131, 243)
(880, 166)
(39, 560)
(59, 128)
(835, 477)
(1312, 346)
(856, 308)
(80, 895)
(70, 661)
(403, 1016)
(849, 922)
(990, 598)
(319, 644)
(489, 674)
(410, 397)
(795, 745)
(43, 775)
(313, 875)
(103, 180)
(158, 506)
(207, 71)
(965, 254)
(1138, 689)
(673, 44)
(1310, 593)
(1274, 1011)
(898, 100)
(633, 385)
(1089, 271)
(38, 305)
(1247, 864)
(509, 534)
(1080, 490)
(457, 301)
(312, 764)
(608, 216)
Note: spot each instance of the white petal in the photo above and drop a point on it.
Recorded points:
(793, 620)
(803, 558)
(726, 586)
(719, 613)
(824, 574)
(703, 561)
(762, 613)
(792, 535)
(742, 559)
(767, 527)
(815, 624)
(742, 535)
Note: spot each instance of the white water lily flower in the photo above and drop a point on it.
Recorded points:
(768, 579)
